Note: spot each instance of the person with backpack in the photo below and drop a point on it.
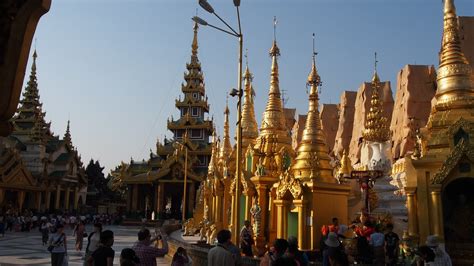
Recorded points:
(93, 241)
(57, 246)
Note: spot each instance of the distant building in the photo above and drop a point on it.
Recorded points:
(157, 184)
(38, 170)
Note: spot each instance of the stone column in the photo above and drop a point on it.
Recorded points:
(76, 198)
(58, 197)
(282, 218)
(260, 240)
(67, 196)
(157, 198)
(47, 200)
(2, 195)
(134, 197)
(301, 208)
(38, 201)
(412, 212)
(436, 212)
(21, 199)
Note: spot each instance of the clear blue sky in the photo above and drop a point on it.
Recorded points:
(115, 67)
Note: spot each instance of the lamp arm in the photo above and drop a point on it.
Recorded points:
(217, 28)
(223, 21)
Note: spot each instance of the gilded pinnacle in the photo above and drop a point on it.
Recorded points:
(249, 123)
(312, 160)
(195, 39)
(454, 83)
(377, 128)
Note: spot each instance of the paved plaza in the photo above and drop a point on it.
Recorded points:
(25, 248)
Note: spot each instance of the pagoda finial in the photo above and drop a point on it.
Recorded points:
(375, 77)
(454, 83)
(226, 147)
(195, 39)
(377, 128)
(313, 77)
(67, 134)
(249, 124)
(312, 160)
(274, 51)
(273, 115)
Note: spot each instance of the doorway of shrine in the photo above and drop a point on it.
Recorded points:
(458, 213)
(173, 197)
(292, 222)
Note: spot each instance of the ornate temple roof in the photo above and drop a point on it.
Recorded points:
(29, 123)
(312, 160)
(377, 126)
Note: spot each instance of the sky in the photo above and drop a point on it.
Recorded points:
(114, 68)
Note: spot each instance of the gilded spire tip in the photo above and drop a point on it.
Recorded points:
(313, 77)
(375, 78)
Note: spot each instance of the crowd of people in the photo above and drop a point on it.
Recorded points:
(99, 248)
(375, 244)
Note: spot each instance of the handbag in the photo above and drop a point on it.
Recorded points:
(51, 247)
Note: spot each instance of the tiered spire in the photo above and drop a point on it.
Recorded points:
(226, 148)
(377, 128)
(455, 88)
(67, 134)
(273, 117)
(249, 123)
(312, 160)
(29, 119)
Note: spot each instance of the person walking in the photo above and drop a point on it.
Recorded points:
(220, 254)
(246, 239)
(377, 242)
(441, 257)
(44, 230)
(104, 255)
(392, 242)
(144, 249)
(58, 246)
(79, 232)
(93, 242)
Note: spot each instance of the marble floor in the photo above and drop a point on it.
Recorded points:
(25, 248)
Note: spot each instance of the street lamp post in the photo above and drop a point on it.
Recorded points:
(235, 92)
(185, 147)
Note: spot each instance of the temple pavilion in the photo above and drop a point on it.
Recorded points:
(157, 184)
(39, 170)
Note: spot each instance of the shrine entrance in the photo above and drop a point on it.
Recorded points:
(172, 198)
(458, 212)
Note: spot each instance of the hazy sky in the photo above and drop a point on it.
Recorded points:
(115, 67)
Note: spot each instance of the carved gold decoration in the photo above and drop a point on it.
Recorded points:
(289, 183)
(460, 150)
